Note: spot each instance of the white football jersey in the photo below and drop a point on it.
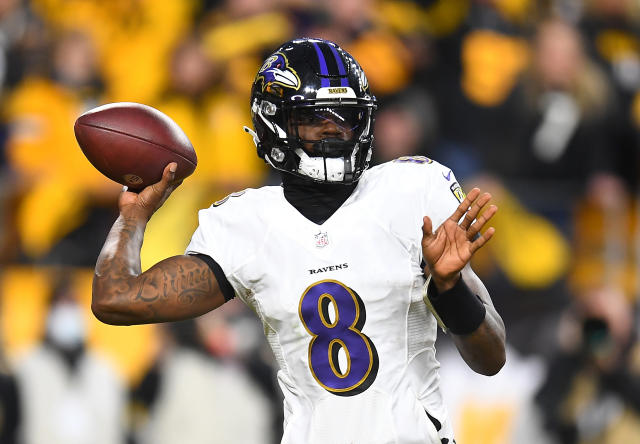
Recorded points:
(341, 302)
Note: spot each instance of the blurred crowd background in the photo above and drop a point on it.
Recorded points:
(537, 102)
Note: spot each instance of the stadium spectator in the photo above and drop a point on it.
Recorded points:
(191, 396)
(68, 394)
(134, 39)
(360, 29)
(610, 28)
(592, 389)
(40, 112)
(568, 105)
(406, 125)
(475, 83)
(24, 39)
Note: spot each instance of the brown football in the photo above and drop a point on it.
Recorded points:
(132, 143)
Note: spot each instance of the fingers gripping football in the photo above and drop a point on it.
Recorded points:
(447, 250)
(147, 201)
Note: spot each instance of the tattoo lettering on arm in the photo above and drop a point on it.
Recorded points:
(139, 296)
(176, 288)
(190, 282)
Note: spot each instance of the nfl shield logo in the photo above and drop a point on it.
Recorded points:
(322, 239)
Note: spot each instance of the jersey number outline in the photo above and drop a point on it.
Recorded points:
(345, 332)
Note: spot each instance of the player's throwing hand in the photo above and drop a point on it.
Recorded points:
(143, 204)
(450, 248)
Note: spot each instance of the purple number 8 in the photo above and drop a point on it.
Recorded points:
(344, 332)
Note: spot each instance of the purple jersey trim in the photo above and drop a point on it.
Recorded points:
(343, 80)
(324, 81)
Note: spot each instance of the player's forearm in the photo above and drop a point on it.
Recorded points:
(465, 306)
(122, 247)
(117, 272)
(484, 349)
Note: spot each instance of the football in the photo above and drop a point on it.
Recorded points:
(132, 143)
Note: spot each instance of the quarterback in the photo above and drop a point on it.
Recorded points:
(350, 269)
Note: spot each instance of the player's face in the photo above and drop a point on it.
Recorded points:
(321, 124)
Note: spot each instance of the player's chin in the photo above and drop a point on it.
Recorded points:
(308, 148)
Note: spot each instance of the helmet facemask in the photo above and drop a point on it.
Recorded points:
(326, 141)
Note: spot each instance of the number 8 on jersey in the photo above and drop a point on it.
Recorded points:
(344, 332)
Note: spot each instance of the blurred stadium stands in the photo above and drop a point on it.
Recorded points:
(536, 101)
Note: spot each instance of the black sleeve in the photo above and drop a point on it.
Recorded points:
(223, 282)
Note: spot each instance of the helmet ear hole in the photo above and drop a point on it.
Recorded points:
(277, 154)
(267, 108)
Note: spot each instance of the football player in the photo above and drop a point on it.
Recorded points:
(349, 269)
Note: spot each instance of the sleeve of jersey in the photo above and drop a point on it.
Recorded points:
(443, 194)
(212, 242)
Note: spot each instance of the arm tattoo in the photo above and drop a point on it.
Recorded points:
(176, 288)
(139, 296)
(185, 284)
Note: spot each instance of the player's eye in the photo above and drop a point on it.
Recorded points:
(348, 120)
(303, 117)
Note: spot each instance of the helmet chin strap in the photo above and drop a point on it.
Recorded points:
(314, 167)
(256, 142)
(252, 133)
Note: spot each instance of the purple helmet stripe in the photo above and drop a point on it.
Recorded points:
(343, 74)
(323, 66)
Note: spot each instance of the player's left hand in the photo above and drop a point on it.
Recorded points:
(450, 248)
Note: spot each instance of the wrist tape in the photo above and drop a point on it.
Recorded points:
(457, 309)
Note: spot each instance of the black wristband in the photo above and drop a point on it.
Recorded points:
(461, 311)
